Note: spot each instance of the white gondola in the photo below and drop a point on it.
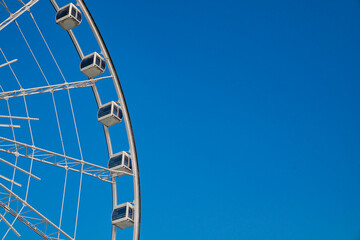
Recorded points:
(120, 162)
(68, 17)
(123, 215)
(92, 65)
(110, 114)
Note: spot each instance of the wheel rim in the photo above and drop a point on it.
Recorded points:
(126, 118)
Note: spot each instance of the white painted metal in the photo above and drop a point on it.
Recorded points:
(9, 225)
(10, 125)
(8, 63)
(127, 220)
(132, 150)
(15, 117)
(17, 14)
(50, 88)
(9, 180)
(20, 169)
(122, 166)
(129, 130)
(112, 118)
(92, 70)
(59, 160)
(106, 131)
(69, 21)
(26, 215)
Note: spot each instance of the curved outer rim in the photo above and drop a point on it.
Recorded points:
(122, 101)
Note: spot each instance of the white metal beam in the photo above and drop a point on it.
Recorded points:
(45, 156)
(17, 14)
(129, 130)
(22, 118)
(50, 88)
(20, 169)
(9, 125)
(9, 180)
(8, 63)
(27, 213)
(9, 225)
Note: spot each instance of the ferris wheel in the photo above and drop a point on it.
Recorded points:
(59, 178)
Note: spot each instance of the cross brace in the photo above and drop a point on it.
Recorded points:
(29, 216)
(17, 14)
(45, 156)
(50, 88)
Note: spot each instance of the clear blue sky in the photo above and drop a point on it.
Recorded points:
(246, 115)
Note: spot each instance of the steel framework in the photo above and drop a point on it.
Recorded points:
(29, 216)
(50, 88)
(23, 211)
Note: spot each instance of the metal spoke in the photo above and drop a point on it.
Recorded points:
(22, 118)
(8, 63)
(17, 14)
(13, 150)
(50, 88)
(32, 218)
(59, 160)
